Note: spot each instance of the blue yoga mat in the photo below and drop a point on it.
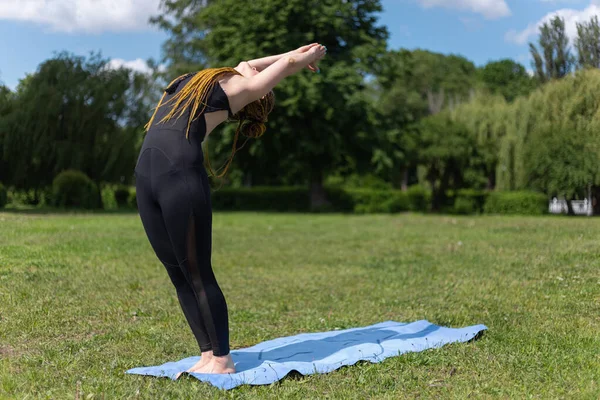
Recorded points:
(311, 353)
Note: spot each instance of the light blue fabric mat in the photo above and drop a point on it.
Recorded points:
(311, 353)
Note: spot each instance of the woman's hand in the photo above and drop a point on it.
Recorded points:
(307, 48)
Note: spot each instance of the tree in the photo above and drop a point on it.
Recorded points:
(6, 107)
(322, 121)
(412, 85)
(552, 143)
(556, 60)
(445, 150)
(587, 44)
(74, 113)
(485, 120)
(507, 78)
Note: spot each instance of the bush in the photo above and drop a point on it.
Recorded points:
(524, 203)
(73, 188)
(378, 201)
(261, 199)
(132, 199)
(465, 205)
(419, 198)
(469, 201)
(3, 196)
(297, 199)
(122, 193)
(108, 198)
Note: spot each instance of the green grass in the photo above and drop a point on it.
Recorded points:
(83, 298)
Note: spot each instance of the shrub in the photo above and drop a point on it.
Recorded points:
(419, 198)
(523, 202)
(122, 193)
(469, 201)
(132, 199)
(108, 198)
(465, 205)
(297, 199)
(261, 199)
(3, 196)
(73, 188)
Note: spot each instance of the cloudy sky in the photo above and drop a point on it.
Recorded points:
(31, 31)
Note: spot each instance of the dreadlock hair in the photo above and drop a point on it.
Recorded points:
(251, 119)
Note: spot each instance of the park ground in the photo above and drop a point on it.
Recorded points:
(83, 298)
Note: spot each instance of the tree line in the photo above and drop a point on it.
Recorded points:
(401, 117)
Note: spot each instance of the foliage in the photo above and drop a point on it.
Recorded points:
(3, 195)
(587, 43)
(296, 199)
(73, 113)
(506, 78)
(555, 60)
(419, 198)
(520, 202)
(75, 189)
(552, 142)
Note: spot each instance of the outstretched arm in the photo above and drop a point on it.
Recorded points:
(262, 63)
(243, 91)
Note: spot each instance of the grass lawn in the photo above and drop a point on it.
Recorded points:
(83, 298)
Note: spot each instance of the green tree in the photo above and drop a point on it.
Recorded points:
(445, 150)
(485, 120)
(322, 122)
(6, 107)
(412, 85)
(587, 44)
(507, 78)
(555, 60)
(74, 113)
(552, 142)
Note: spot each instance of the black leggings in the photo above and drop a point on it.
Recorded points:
(174, 205)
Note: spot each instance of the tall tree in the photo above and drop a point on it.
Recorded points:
(74, 113)
(412, 85)
(6, 107)
(507, 78)
(445, 150)
(587, 43)
(322, 121)
(555, 60)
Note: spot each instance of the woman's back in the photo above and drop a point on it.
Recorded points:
(169, 137)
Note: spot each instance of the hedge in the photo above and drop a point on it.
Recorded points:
(72, 188)
(518, 202)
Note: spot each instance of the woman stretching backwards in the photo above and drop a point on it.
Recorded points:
(173, 194)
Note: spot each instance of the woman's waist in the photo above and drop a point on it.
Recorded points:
(175, 147)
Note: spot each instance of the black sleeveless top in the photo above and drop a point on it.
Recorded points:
(169, 136)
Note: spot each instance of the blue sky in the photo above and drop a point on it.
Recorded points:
(481, 30)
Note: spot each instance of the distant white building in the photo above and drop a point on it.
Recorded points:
(580, 207)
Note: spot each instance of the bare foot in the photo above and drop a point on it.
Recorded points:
(218, 365)
(205, 358)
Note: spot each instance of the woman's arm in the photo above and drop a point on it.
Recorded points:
(262, 63)
(243, 91)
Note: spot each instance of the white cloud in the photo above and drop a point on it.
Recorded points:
(138, 65)
(570, 16)
(92, 16)
(490, 9)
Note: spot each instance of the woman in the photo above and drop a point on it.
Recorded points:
(172, 185)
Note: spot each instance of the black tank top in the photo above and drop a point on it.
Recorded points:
(169, 137)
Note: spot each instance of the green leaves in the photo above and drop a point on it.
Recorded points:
(74, 113)
(507, 78)
(555, 59)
